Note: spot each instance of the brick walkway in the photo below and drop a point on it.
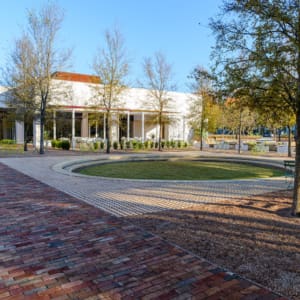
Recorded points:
(53, 246)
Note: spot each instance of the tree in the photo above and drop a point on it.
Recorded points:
(259, 42)
(204, 110)
(158, 81)
(21, 96)
(238, 117)
(112, 66)
(41, 56)
(43, 29)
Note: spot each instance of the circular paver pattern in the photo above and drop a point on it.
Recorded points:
(131, 197)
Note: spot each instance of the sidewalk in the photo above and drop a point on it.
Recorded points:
(54, 246)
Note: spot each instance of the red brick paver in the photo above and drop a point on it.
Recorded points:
(53, 246)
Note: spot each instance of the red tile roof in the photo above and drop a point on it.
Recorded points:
(76, 77)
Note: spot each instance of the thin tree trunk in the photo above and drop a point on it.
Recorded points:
(201, 137)
(108, 132)
(239, 133)
(289, 142)
(160, 132)
(296, 198)
(42, 122)
(25, 136)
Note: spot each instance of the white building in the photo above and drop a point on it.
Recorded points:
(74, 111)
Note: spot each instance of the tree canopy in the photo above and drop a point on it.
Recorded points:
(257, 54)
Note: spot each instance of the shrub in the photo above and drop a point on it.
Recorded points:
(156, 145)
(96, 145)
(185, 144)
(128, 144)
(53, 143)
(168, 144)
(134, 144)
(7, 142)
(147, 144)
(101, 145)
(115, 145)
(140, 145)
(151, 144)
(179, 144)
(58, 144)
(163, 144)
(65, 145)
(173, 144)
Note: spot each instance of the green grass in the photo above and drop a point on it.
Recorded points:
(180, 170)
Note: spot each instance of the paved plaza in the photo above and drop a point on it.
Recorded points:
(54, 246)
(132, 197)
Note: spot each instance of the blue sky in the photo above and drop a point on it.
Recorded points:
(148, 26)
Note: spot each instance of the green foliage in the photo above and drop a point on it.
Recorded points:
(7, 142)
(58, 144)
(102, 145)
(115, 145)
(96, 145)
(65, 144)
(173, 144)
(134, 144)
(53, 143)
(128, 145)
(140, 145)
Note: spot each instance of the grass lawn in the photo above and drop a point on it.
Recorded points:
(181, 170)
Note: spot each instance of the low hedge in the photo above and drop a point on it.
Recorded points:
(7, 142)
(64, 144)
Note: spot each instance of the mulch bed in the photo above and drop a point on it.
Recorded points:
(254, 237)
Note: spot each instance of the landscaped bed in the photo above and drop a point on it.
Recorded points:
(254, 237)
(181, 170)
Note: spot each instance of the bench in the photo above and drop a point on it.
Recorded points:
(289, 166)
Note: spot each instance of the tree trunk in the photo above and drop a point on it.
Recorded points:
(25, 136)
(201, 136)
(296, 200)
(42, 120)
(108, 132)
(239, 133)
(289, 142)
(160, 132)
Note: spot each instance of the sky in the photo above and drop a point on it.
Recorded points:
(177, 28)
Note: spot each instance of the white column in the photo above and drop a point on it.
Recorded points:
(96, 133)
(143, 126)
(19, 132)
(128, 126)
(36, 132)
(85, 125)
(73, 129)
(54, 124)
(114, 127)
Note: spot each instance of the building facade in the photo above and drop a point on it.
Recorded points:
(75, 112)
